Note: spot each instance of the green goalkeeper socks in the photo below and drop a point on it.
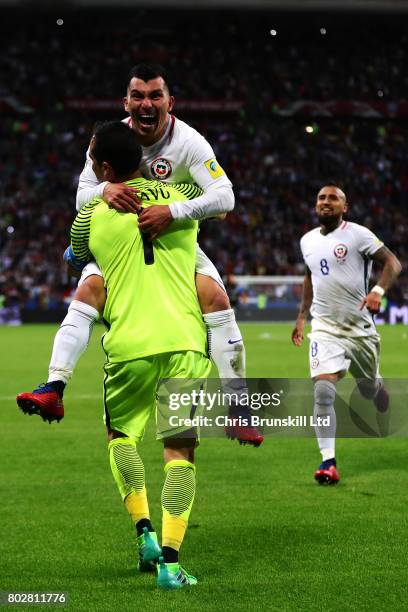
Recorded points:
(177, 494)
(128, 472)
(177, 501)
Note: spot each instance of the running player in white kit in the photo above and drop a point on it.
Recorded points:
(338, 257)
(173, 152)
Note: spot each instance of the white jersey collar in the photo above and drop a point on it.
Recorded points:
(342, 226)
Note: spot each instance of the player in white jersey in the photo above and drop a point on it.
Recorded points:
(173, 152)
(338, 257)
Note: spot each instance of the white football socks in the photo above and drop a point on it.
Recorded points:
(324, 396)
(225, 344)
(71, 340)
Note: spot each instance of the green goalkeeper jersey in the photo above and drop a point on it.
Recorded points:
(150, 309)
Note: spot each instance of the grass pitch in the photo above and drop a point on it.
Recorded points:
(262, 534)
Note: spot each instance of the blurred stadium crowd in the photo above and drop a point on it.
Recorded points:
(275, 164)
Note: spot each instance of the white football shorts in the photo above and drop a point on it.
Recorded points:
(203, 266)
(89, 270)
(329, 354)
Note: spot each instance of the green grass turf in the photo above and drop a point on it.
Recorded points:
(262, 535)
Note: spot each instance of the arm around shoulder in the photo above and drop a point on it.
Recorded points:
(217, 200)
(89, 186)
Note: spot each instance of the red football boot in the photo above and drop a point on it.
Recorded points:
(327, 473)
(238, 429)
(382, 400)
(44, 401)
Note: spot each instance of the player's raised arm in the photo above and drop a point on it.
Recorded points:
(390, 272)
(118, 195)
(307, 298)
(218, 197)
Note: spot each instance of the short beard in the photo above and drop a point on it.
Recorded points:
(329, 220)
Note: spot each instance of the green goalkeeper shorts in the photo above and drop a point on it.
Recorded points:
(131, 389)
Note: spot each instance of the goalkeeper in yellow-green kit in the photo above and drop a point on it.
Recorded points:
(155, 331)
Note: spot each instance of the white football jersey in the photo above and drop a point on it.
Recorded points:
(182, 155)
(340, 264)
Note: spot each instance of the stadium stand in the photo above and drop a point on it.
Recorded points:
(252, 97)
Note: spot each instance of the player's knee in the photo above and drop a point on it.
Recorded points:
(171, 454)
(180, 448)
(324, 393)
(368, 388)
(220, 300)
(211, 295)
(112, 434)
(92, 292)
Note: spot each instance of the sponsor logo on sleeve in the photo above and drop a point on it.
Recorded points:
(161, 168)
(214, 168)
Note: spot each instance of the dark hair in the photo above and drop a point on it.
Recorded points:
(116, 143)
(338, 184)
(146, 72)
